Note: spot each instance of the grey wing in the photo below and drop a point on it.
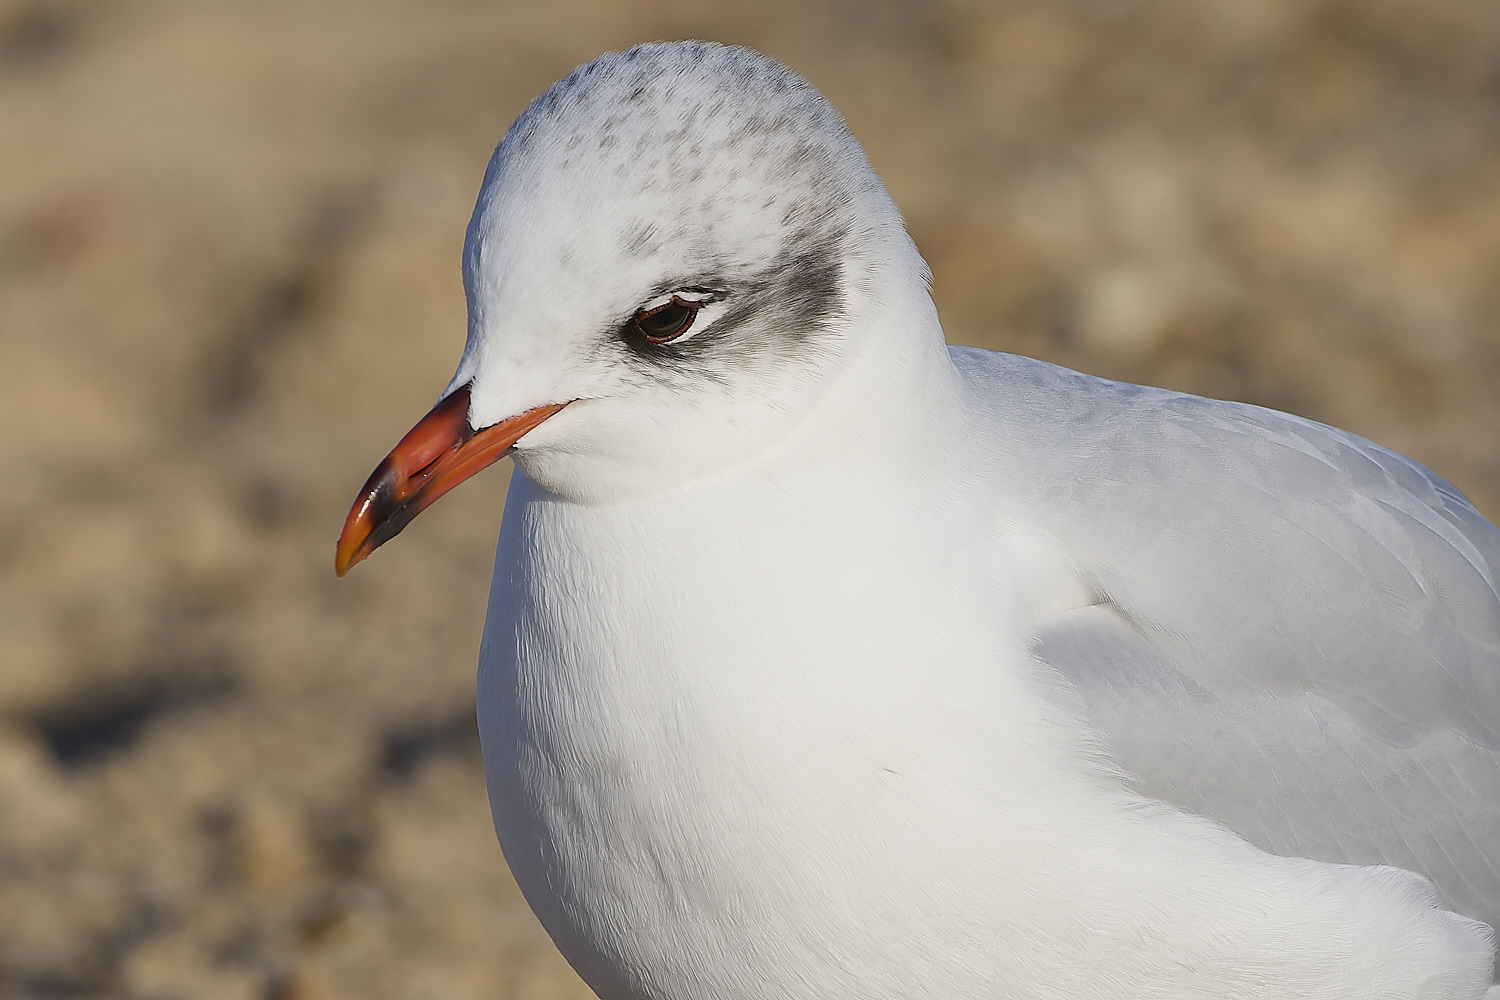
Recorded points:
(1299, 631)
(1296, 776)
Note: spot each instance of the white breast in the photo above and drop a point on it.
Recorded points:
(744, 742)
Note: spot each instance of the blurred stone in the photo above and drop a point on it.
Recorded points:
(274, 854)
(1127, 308)
(37, 808)
(175, 968)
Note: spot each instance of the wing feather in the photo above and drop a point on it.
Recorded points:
(1297, 776)
(1299, 633)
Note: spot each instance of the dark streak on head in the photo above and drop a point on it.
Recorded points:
(745, 143)
(643, 75)
(640, 239)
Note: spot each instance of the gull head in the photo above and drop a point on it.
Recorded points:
(676, 252)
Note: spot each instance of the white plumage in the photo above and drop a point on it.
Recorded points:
(824, 660)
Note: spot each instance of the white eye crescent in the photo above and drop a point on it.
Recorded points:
(675, 319)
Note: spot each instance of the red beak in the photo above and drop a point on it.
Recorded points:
(434, 456)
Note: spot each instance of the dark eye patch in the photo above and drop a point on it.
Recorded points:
(786, 304)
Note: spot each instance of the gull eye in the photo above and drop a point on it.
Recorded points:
(668, 321)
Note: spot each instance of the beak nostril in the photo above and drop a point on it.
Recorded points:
(424, 470)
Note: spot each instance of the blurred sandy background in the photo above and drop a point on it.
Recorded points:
(229, 244)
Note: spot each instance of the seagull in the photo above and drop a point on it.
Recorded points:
(825, 660)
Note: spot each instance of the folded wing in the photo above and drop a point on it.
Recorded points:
(1298, 632)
